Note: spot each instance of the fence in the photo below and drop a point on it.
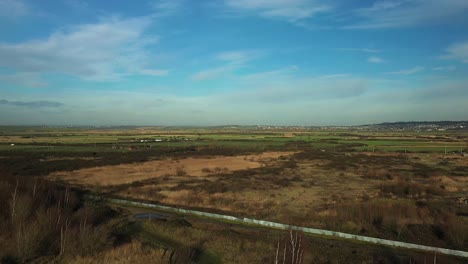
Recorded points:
(306, 230)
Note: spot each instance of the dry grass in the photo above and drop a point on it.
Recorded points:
(134, 252)
(195, 167)
(227, 246)
(315, 189)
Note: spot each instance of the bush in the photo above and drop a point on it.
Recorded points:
(407, 188)
(181, 172)
(206, 170)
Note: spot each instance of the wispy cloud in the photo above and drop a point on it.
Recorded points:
(210, 74)
(231, 60)
(377, 14)
(453, 89)
(444, 68)
(32, 104)
(278, 75)
(407, 13)
(283, 86)
(13, 8)
(458, 51)
(375, 59)
(366, 50)
(408, 71)
(290, 10)
(31, 80)
(165, 8)
(239, 56)
(154, 72)
(106, 50)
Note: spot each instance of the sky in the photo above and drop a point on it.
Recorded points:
(226, 62)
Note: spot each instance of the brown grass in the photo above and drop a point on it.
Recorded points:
(197, 167)
(380, 194)
(134, 252)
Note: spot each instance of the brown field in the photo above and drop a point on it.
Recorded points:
(398, 196)
(192, 167)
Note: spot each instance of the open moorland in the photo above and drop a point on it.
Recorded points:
(400, 185)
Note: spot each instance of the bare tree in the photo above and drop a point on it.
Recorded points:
(292, 249)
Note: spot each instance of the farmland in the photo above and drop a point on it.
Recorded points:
(400, 185)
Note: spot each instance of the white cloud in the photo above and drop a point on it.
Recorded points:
(239, 56)
(375, 59)
(290, 10)
(444, 68)
(166, 7)
(233, 56)
(458, 51)
(106, 50)
(13, 8)
(154, 72)
(277, 75)
(407, 13)
(408, 71)
(211, 73)
(366, 50)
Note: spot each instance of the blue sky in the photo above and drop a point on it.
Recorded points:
(219, 62)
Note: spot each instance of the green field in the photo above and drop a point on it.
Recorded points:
(120, 140)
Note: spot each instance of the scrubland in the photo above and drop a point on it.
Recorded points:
(355, 183)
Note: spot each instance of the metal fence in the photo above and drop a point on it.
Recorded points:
(306, 230)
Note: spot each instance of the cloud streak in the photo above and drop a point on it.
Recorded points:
(365, 50)
(232, 60)
(210, 74)
(408, 71)
(239, 56)
(164, 8)
(380, 14)
(444, 68)
(458, 51)
(32, 104)
(407, 13)
(154, 72)
(289, 10)
(375, 59)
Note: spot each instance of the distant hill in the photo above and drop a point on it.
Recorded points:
(419, 126)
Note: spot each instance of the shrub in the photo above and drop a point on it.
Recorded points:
(181, 172)
(408, 188)
(206, 170)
